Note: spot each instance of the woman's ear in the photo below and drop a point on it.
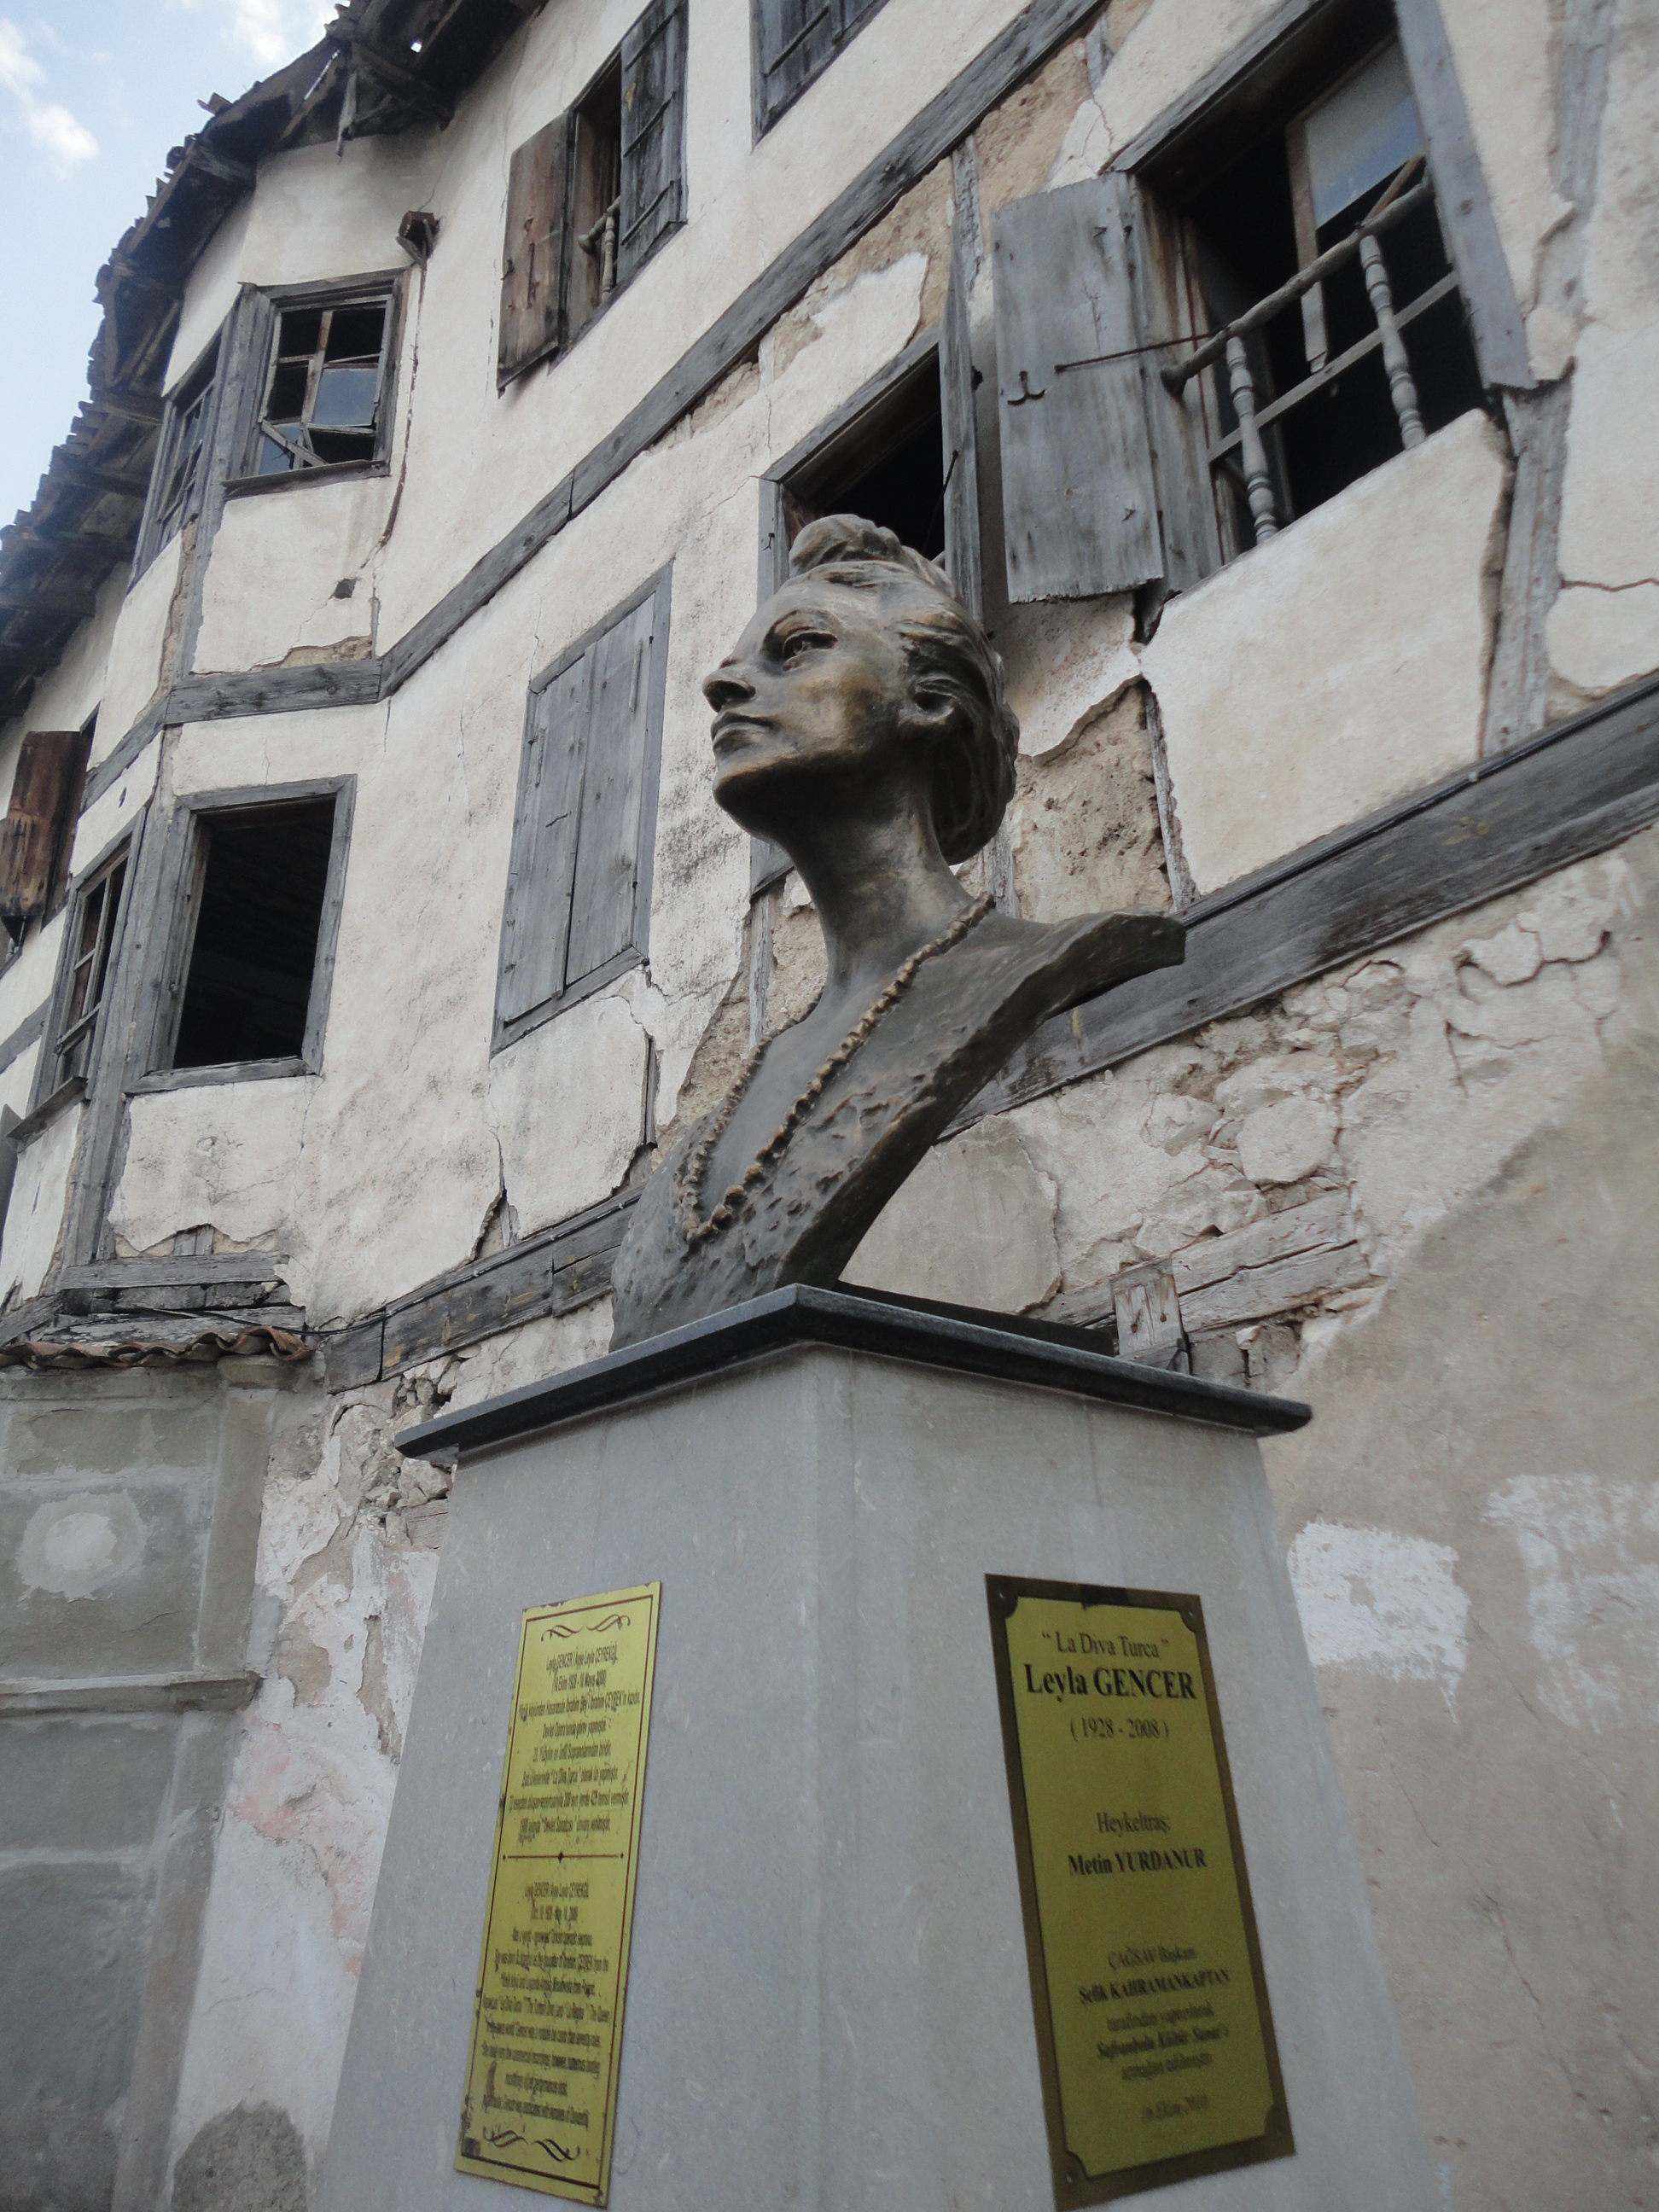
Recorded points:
(932, 711)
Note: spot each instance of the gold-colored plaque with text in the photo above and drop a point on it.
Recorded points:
(1154, 2035)
(540, 2105)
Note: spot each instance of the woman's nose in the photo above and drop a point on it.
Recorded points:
(728, 686)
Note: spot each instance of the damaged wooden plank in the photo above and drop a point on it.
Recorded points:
(1270, 1266)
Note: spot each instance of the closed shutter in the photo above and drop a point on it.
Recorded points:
(536, 196)
(1079, 502)
(536, 932)
(956, 381)
(794, 41)
(653, 133)
(34, 837)
(604, 903)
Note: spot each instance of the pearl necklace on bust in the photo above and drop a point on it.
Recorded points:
(688, 1180)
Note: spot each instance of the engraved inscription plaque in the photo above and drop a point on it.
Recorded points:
(540, 2104)
(1154, 2035)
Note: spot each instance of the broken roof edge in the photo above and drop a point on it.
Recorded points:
(82, 523)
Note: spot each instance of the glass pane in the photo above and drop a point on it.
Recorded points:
(1360, 135)
(274, 459)
(90, 912)
(112, 883)
(77, 997)
(345, 394)
(301, 328)
(287, 390)
(355, 332)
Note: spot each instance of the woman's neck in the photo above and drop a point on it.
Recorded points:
(882, 889)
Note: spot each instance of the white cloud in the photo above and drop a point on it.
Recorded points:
(274, 31)
(51, 128)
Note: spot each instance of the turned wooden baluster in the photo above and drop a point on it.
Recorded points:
(1402, 390)
(1257, 481)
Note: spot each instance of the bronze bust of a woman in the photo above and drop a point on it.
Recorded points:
(861, 724)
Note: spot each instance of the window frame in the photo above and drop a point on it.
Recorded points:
(201, 385)
(49, 1082)
(184, 870)
(376, 287)
(508, 1030)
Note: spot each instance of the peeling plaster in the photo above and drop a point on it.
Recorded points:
(1386, 1603)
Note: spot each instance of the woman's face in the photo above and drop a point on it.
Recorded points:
(811, 705)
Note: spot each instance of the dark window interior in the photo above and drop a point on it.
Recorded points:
(888, 466)
(595, 183)
(184, 457)
(93, 938)
(1243, 227)
(322, 405)
(251, 964)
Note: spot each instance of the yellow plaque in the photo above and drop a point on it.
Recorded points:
(1154, 2035)
(540, 2107)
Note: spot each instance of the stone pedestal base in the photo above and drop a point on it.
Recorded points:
(828, 2005)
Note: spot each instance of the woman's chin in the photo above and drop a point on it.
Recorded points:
(754, 793)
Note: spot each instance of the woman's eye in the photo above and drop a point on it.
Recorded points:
(802, 642)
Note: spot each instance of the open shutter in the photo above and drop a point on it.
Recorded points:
(1079, 502)
(956, 386)
(1180, 469)
(1467, 221)
(603, 907)
(536, 928)
(794, 41)
(653, 133)
(535, 194)
(51, 767)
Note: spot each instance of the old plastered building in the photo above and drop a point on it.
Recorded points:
(370, 921)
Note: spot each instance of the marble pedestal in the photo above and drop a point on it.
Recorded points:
(827, 2006)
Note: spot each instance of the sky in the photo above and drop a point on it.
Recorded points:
(92, 93)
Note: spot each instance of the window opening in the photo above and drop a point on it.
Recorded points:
(595, 199)
(322, 402)
(263, 875)
(1337, 331)
(888, 466)
(184, 453)
(93, 935)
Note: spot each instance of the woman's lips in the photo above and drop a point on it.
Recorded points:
(727, 726)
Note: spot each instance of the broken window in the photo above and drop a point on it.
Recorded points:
(594, 192)
(94, 924)
(793, 42)
(887, 463)
(175, 481)
(326, 402)
(578, 905)
(1192, 356)
(251, 946)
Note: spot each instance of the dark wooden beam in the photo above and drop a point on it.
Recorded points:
(46, 599)
(132, 406)
(95, 475)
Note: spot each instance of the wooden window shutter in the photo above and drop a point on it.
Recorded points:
(536, 932)
(604, 904)
(1079, 502)
(653, 133)
(792, 40)
(1190, 539)
(34, 838)
(1474, 246)
(536, 194)
(956, 379)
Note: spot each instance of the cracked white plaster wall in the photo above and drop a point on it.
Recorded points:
(1340, 665)
(975, 1224)
(34, 1212)
(211, 293)
(1065, 662)
(302, 541)
(1168, 50)
(1381, 1602)
(565, 1105)
(117, 809)
(134, 667)
(1507, 56)
(875, 316)
(1590, 1548)
(27, 977)
(225, 1154)
(311, 1786)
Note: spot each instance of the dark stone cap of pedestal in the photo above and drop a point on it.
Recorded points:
(1000, 1347)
